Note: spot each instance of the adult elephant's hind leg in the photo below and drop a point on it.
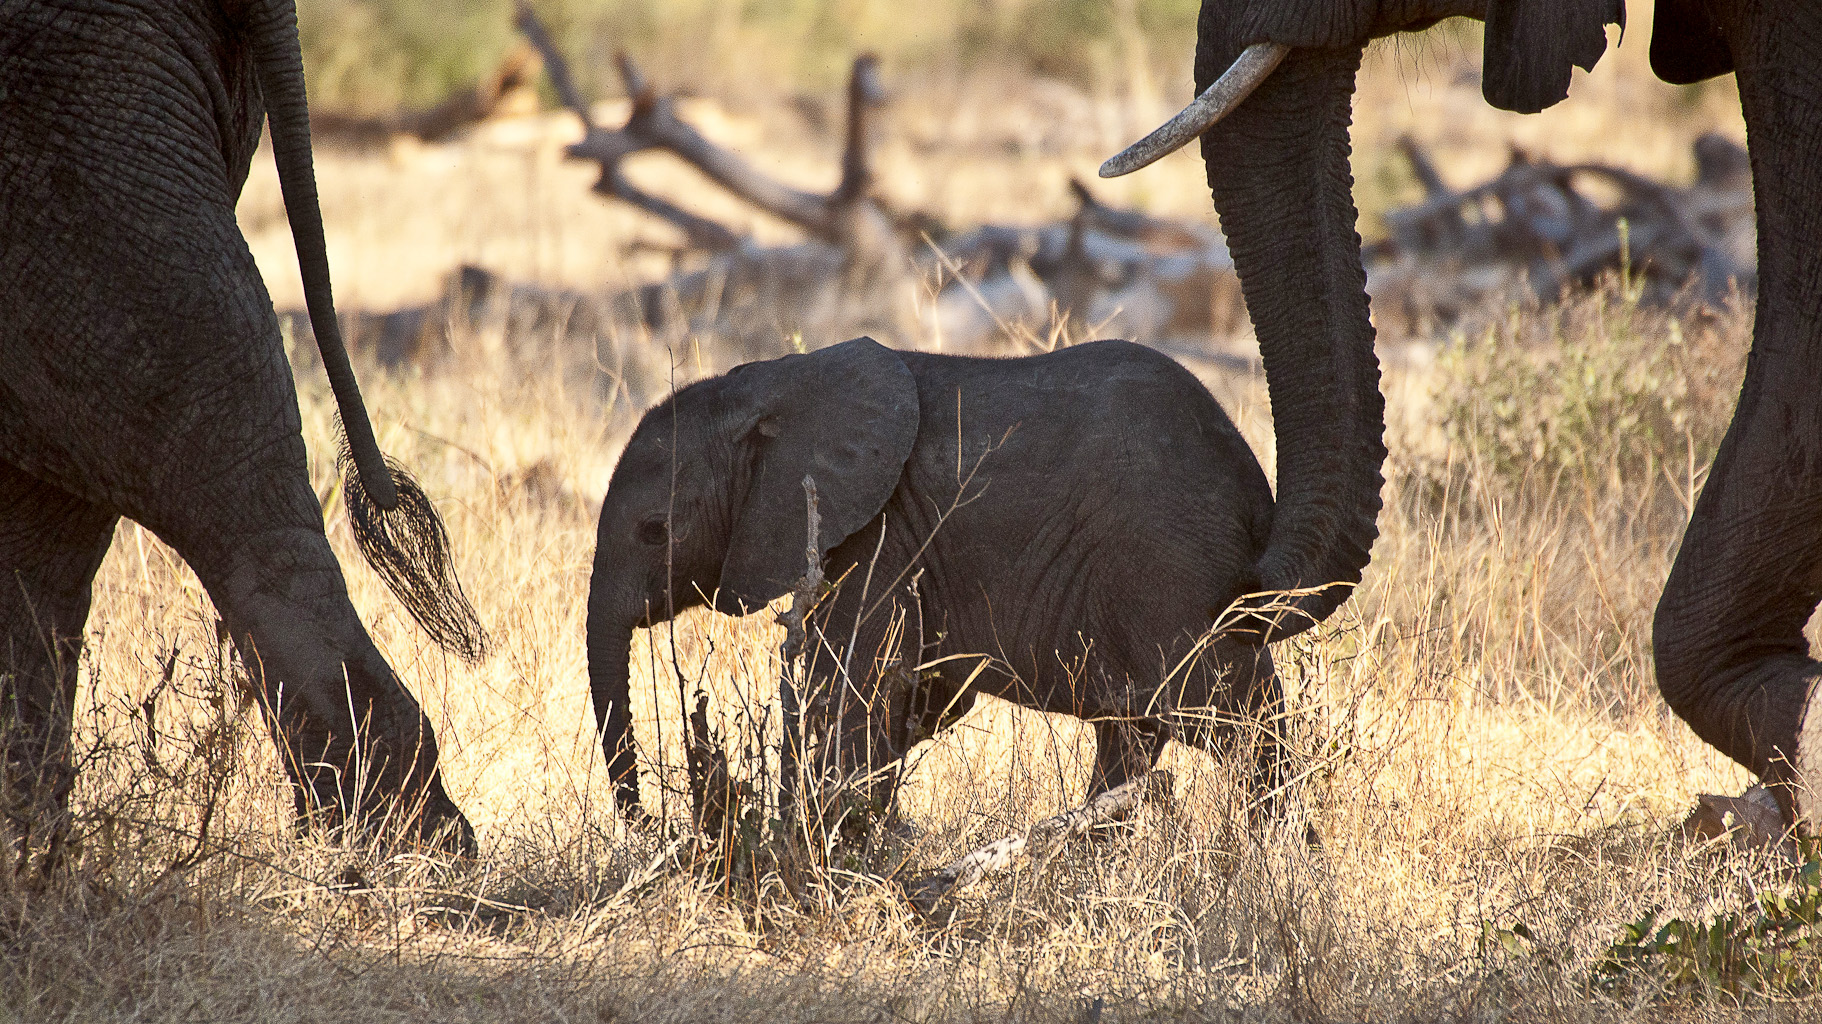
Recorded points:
(51, 544)
(355, 743)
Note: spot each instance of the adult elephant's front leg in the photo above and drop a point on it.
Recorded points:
(1728, 638)
(1731, 657)
(51, 543)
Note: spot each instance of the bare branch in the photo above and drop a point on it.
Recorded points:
(655, 124)
(1134, 225)
(803, 597)
(1422, 167)
(702, 233)
(610, 148)
(865, 94)
(555, 67)
(711, 784)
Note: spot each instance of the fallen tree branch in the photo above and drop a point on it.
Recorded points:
(1042, 842)
(1155, 233)
(653, 124)
(432, 124)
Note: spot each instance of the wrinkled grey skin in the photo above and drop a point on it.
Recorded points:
(1731, 658)
(1111, 512)
(142, 375)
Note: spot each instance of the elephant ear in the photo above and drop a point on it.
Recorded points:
(1532, 45)
(846, 416)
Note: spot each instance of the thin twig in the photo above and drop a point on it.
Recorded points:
(802, 598)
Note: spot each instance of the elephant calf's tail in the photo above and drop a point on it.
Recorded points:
(409, 548)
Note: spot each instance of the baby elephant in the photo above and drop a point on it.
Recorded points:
(1063, 528)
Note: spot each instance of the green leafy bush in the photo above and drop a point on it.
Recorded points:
(1599, 391)
(1770, 950)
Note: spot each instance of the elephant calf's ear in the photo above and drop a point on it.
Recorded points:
(846, 416)
(1532, 46)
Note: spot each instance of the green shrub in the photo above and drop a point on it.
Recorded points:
(378, 54)
(1598, 390)
(1770, 950)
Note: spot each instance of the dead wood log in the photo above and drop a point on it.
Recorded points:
(1110, 267)
(1422, 167)
(1042, 842)
(1536, 221)
(1157, 234)
(436, 123)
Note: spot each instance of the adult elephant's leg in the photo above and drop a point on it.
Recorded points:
(1728, 638)
(164, 393)
(355, 743)
(51, 543)
(141, 367)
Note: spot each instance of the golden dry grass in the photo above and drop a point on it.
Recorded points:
(1480, 742)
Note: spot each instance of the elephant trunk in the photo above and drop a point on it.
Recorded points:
(393, 521)
(610, 639)
(1278, 168)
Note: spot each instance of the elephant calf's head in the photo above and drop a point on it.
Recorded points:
(708, 502)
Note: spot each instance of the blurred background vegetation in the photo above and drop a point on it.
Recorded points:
(379, 54)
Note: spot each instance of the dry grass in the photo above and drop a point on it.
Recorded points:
(1480, 742)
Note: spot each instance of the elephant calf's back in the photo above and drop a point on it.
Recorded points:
(1105, 490)
(1113, 418)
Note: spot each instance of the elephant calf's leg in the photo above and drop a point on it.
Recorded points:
(51, 544)
(1124, 750)
(1237, 707)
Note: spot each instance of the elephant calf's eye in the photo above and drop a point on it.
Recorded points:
(653, 532)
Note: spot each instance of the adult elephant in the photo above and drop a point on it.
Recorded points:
(142, 375)
(1728, 637)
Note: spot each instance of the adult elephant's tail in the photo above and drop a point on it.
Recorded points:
(393, 521)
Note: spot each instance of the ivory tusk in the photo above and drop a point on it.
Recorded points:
(1234, 85)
